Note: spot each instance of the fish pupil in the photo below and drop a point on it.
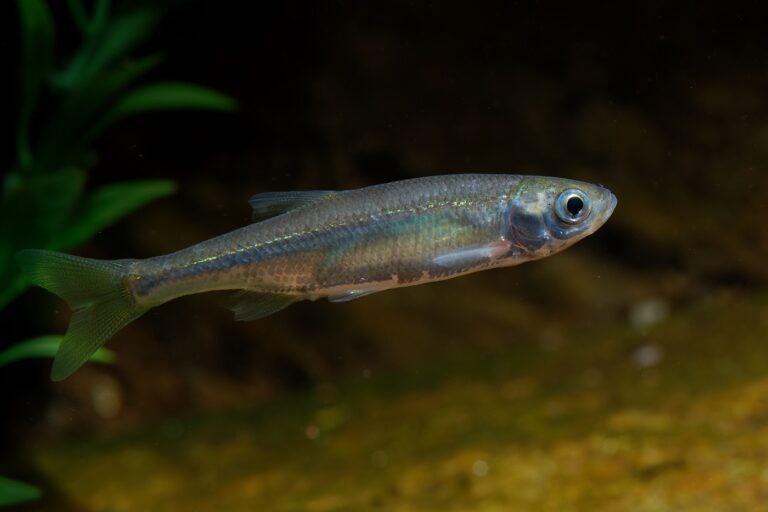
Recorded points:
(574, 205)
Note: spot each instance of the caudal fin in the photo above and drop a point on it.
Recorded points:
(95, 291)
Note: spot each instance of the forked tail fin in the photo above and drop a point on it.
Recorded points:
(94, 290)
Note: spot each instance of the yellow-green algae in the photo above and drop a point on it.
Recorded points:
(575, 428)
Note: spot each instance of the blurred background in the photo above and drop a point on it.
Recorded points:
(628, 373)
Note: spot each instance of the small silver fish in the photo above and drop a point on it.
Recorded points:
(340, 245)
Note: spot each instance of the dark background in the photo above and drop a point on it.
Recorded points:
(664, 103)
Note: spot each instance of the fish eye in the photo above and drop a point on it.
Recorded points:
(572, 206)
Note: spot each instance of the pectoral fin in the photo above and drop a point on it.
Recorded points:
(464, 257)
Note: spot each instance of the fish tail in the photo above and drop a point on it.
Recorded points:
(96, 292)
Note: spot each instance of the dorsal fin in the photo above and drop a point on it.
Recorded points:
(269, 204)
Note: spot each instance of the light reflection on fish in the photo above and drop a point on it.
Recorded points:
(340, 245)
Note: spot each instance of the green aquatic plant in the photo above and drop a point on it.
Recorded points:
(14, 492)
(44, 200)
(45, 346)
(65, 102)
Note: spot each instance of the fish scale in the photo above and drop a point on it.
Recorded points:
(443, 213)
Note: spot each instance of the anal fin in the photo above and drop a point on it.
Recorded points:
(249, 305)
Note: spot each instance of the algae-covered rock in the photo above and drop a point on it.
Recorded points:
(580, 427)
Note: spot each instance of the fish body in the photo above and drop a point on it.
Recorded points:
(335, 244)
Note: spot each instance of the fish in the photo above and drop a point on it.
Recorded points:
(339, 245)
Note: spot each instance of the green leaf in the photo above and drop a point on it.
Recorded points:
(46, 346)
(71, 127)
(13, 492)
(34, 209)
(106, 206)
(168, 96)
(77, 10)
(37, 44)
(108, 42)
(37, 207)
(121, 35)
(89, 25)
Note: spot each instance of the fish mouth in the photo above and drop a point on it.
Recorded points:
(602, 215)
(612, 202)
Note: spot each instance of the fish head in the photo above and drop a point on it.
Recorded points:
(544, 215)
